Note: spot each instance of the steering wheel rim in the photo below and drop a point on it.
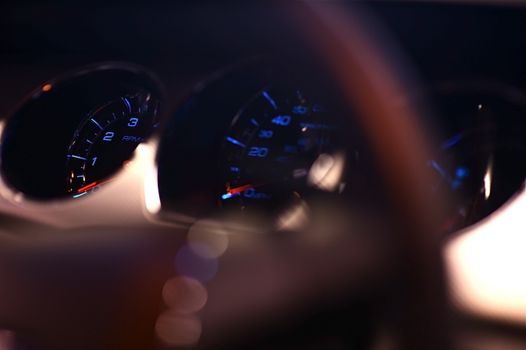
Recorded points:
(377, 84)
(353, 52)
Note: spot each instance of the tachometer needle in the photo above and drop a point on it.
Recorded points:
(87, 187)
(91, 185)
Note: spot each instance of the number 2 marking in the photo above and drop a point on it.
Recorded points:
(108, 136)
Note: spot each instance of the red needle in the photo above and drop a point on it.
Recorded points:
(91, 185)
(240, 189)
(87, 187)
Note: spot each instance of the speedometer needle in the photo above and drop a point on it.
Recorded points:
(240, 189)
(237, 190)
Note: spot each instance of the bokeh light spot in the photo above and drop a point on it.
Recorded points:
(191, 264)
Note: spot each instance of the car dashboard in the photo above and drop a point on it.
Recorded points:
(182, 174)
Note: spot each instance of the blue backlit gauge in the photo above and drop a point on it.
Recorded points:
(106, 139)
(270, 148)
(479, 163)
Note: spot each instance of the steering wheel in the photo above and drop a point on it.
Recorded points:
(349, 266)
(349, 280)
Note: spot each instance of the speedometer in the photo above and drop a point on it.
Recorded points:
(271, 147)
(265, 142)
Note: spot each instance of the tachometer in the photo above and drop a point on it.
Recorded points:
(86, 124)
(106, 139)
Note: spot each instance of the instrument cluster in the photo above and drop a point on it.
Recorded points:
(258, 141)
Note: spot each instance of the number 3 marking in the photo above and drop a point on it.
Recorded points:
(132, 123)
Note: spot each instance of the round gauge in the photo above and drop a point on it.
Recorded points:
(74, 132)
(480, 159)
(106, 139)
(257, 143)
(280, 147)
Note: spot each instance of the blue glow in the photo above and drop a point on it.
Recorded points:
(300, 110)
(235, 142)
(437, 167)
(265, 134)
(226, 196)
(270, 100)
(235, 169)
(80, 194)
(96, 123)
(283, 120)
(303, 141)
(254, 122)
(290, 149)
(452, 141)
(76, 157)
(260, 152)
(127, 103)
(316, 126)
(253, 194)
(456, 184)
(462, 172)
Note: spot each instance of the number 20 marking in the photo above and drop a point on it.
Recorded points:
(258, 152)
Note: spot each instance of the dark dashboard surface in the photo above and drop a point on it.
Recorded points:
(184, 41)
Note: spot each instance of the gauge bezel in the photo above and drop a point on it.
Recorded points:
(297, 199)
(195, 193)
(503, 107)
(130, 108)
(130, 73)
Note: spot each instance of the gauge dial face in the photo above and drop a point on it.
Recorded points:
(106, 139)
(478, 165)
(270, 149)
